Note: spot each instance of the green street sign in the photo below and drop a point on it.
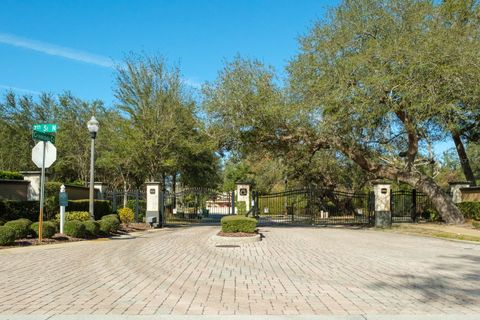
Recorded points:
(45, 127)
(63, 199)
(43, 136)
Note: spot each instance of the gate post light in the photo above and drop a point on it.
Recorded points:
(92, 126)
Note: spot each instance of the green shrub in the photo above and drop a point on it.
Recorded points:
(142, 207)
(10, 175)
(100, 207)
(476, 224)
(108, 226)
(238, 224)
(48, 229)
(7, 236)
(74, 215)
(470, 210)
(126, 215)
(92, 228)
(21, 227)
(74, 228)
(241, 207)
(13, 210)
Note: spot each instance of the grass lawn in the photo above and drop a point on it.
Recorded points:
(437, 230)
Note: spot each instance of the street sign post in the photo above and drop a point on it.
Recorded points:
(44, 155)
(43, 136)
(63, 201)
(45, 127)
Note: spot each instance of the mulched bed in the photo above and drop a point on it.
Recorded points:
(236, 234)
(133, 227)
(61, 238)
(57, 238)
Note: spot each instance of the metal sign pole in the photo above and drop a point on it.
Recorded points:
(42, 188)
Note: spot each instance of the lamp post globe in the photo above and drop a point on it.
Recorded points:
(93, 126)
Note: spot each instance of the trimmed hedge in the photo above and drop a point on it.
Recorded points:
(48, 229)
(74, 228)
(100, 207)
(237, 223)
(74, 215)
(21, 227)
(470, 210)
(7, 236)
(10, 175)
(108, 226)
(13, 210)
(92, 228)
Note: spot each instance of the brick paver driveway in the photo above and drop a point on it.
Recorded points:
(292, 271)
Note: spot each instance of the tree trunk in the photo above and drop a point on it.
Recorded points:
(462, 155)
(441, 201)
(125, 194)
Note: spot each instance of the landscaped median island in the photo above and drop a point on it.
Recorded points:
(237, 229)
(78, 226)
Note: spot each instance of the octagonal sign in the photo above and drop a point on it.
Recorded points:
(50, 154)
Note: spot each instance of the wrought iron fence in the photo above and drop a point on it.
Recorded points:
(315, 207)
(411, 206)
(196, 205)
(134, 200)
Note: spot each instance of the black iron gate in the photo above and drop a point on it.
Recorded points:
(195, 205)
(133, 199)
(410, 206)
(315, 207)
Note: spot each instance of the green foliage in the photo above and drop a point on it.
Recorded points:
(7, 236)
(238, 223)
(20, 226)
(470, 210)
(74, 215)
(10, 175)
(92, 228)
(476, 224)
(126, 215)
(75, 229)
(109, 224)
(241, 207)
(142, 208)
(52, 189)
(100, 207)
(12, 210)
(48, 229)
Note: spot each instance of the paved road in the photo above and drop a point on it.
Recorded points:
(353, 274)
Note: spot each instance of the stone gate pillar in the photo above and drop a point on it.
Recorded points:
(243, 195)
(152, 216)
(383, 214)
(455, 191)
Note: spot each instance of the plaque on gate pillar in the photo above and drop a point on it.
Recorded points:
(152, 215)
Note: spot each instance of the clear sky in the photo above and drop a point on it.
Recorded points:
(71, 45)
(52, 46)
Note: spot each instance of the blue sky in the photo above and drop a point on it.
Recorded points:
(70, 45)
(52, 46)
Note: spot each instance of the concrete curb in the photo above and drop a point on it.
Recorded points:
(235, 240)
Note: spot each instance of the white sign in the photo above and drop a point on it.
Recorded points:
(50, 154)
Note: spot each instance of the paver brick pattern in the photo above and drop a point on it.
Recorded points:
(291, 271)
